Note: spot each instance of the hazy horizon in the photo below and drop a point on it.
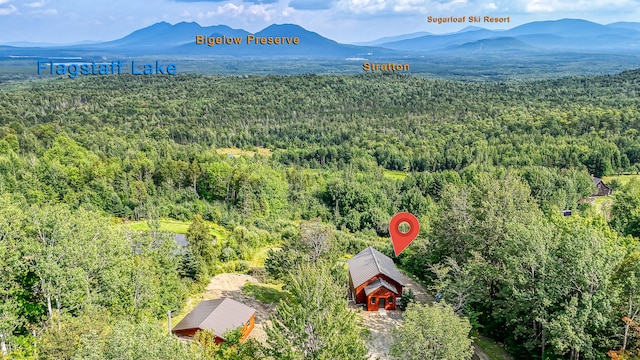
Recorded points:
(346, 21)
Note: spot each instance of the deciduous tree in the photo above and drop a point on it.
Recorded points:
(316, 324)
(432, 332)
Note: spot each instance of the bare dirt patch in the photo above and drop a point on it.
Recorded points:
(380, 324)
(230, 285)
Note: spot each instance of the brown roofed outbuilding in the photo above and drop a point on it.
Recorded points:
(603, 189)
(218, 316)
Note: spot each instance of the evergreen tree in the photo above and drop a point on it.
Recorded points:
(203, 247)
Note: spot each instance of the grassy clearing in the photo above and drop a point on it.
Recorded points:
(266, 293)
(177, 227)
(622, 179)
(395, 174)
(260, 255)
(603, 205)
(239, 152)
(601, 200)
(493, 350)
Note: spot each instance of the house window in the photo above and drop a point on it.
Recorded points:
(373, 301)
(391, 300)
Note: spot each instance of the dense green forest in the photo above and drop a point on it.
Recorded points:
(489, 166)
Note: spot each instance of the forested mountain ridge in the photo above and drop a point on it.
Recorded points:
(487, 166)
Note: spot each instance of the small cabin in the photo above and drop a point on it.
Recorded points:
(602, 188)
(218, 316)
(374, 280)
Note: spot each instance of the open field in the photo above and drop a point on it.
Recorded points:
(260, 255)
(395, 174)
(177, 227)
(235, 152)
(266, 293)
(622, 179)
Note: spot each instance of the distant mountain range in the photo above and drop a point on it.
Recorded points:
(180, 39)
(567, 35)
(392, 39)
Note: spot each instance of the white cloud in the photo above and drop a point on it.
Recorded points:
(226, 9)
(288, 11)
(264, 11)
(230, 8)
(539, 6)
(491, 6)
(406, 7)
(547, 6)
(8, 10)
(4, 1)
(46, 12)
(36, 4)
(362, 6)
(410, 6)
(451, 5)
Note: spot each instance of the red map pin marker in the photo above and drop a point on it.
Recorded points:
(399, 239)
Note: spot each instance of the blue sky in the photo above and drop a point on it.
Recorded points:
(65, 21)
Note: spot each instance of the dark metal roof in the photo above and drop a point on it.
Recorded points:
(377, 285)
(596, 180)
(369, 263)
(219, 316)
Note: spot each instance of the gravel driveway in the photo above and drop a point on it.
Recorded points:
(380, 323)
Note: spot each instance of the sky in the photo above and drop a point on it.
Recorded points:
(346, 21)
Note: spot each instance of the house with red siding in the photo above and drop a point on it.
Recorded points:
(374, 280)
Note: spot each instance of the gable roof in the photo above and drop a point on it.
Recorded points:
(596, 180)
(377, 285)
(219, 316)
(369, 263)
